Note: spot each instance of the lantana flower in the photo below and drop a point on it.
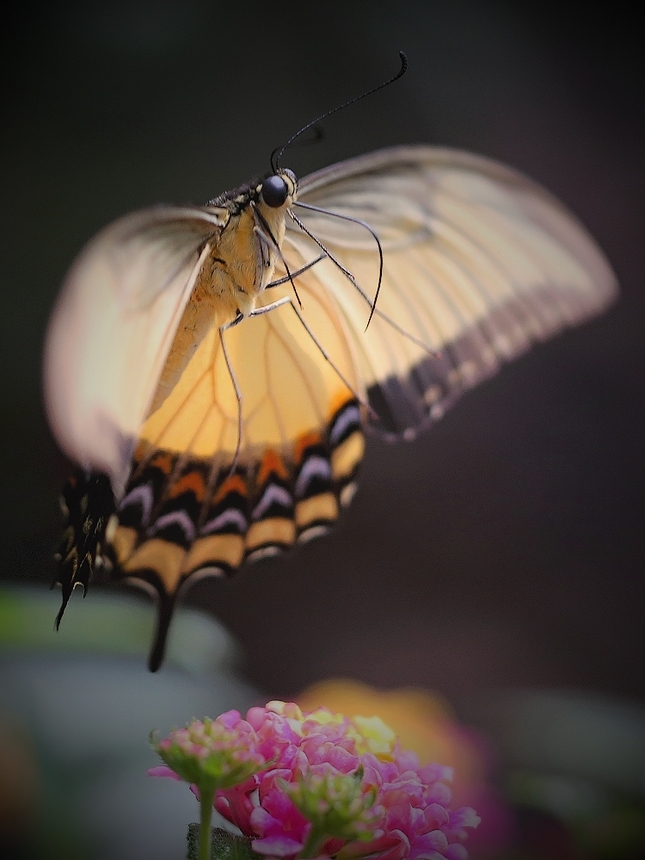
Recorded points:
(318, 784)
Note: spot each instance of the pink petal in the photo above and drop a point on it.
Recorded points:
(426, 844)
(278, 845)
(456, 851)
(163, 770)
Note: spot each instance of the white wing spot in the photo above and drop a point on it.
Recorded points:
(272, 494)
(229, 517)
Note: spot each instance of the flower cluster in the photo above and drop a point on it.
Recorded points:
(319, 785)
(208, 752)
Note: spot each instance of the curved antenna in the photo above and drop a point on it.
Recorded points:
(275, 160)
(350, 277)
(370, 230)
(318, 135)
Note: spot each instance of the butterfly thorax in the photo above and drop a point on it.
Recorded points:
(238, 262)
(246, 250)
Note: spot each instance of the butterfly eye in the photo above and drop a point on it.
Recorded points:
(274, 191)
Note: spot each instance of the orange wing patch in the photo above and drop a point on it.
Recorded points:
(191, 482)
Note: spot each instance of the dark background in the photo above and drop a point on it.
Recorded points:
(504, 547)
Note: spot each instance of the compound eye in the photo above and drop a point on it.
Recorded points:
(274, 191)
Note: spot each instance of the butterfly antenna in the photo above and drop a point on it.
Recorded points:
(370, 230)
(350, 277)
(275, 159)
(318, 135)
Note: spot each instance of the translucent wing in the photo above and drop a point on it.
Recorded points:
(479, 262)
(112, 329)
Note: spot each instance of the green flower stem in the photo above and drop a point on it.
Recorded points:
(313, 845)
(206, 797)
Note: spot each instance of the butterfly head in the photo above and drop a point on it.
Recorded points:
(279, 189)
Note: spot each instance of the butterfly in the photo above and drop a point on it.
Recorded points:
(213, 369)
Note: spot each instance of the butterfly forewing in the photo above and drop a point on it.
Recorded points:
(479, 262)
(112, 329)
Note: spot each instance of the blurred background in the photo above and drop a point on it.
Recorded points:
(498, 558)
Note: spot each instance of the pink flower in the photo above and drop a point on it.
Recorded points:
(209, 753)
(416, 820)
(281, 828)
(320, 784)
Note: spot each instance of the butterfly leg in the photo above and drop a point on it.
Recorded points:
(236, 386)
(295, 274)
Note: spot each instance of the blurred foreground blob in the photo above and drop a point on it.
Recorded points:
(74, 706)
(574, 770)
(20, 787)
(425, 724)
